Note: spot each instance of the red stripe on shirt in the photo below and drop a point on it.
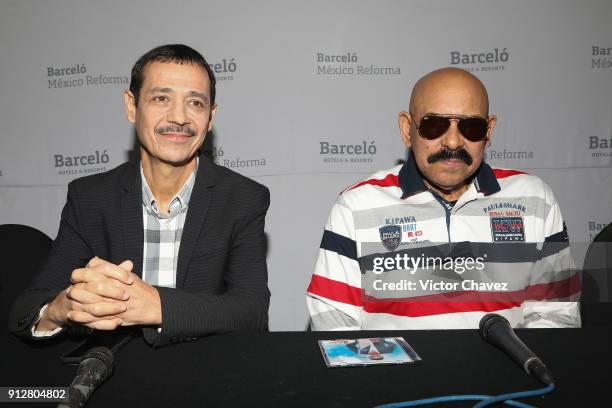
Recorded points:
(472, 301)
(418, 309)
(503, 173)
(335, 290)
(390, 180)
(431, 305)
(554, 290)
(542, 291)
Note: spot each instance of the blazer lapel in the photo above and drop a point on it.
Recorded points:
(131, 217)
(196, 214)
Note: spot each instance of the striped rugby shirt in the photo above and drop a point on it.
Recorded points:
(509, 215)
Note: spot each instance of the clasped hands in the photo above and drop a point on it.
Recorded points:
(103, 296)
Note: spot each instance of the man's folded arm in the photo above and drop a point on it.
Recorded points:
(334, 296)
(555, 279)
(243, 306)
(559, 288)
(69, 251)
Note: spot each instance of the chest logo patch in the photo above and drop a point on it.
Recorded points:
(391, 236)
(508, 229)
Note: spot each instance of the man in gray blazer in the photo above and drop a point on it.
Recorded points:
(171, 242)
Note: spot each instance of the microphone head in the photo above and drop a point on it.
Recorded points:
(102, 354)
(489, 320)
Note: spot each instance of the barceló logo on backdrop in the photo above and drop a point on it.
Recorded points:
(480, 61)
(363, 152)
(348, 64)
(78, 75)
(81, 163)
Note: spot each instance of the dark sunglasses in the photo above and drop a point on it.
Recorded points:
(473, 128)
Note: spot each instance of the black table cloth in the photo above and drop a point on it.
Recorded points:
(286, 369)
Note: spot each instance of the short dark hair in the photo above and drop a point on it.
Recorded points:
(177, 53)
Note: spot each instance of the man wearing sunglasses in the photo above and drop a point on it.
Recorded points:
(445, 203)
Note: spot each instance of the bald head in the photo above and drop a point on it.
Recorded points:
(450, 87)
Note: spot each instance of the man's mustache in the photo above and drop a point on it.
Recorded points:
(176, 129)
(445, 154)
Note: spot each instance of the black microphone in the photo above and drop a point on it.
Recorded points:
(496, 330)
(95, 367)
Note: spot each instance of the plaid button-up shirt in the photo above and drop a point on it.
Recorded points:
(162, 233)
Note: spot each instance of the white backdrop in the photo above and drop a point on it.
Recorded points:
(283, 105)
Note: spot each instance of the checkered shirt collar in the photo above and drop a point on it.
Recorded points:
(178, 202)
